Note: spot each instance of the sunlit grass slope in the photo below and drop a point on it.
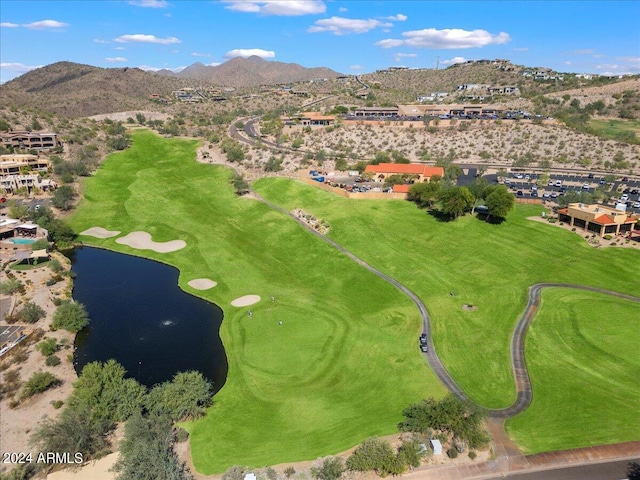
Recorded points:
(583, 356)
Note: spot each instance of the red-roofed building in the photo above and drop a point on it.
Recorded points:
(423, 173)
(598, 219)
(401, 188)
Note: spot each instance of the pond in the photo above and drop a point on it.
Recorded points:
(142, 319)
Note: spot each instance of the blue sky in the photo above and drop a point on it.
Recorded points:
(356, 36)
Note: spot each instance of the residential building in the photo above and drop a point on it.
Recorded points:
(599, 219)
(11, 183)
(30, 140)
(421, 173)
(309, 119)
(15, 163)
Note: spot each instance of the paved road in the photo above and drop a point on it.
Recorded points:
(600, 471)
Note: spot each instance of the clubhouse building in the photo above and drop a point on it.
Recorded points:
(598, 219)
(419, 172)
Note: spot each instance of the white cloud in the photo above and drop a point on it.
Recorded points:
(342, 9)
(287, 8)
(115, 59)
(42, 24)
(149, 3)
(147, 68)
(119, 48)
(196, 54)
(18, 67)
(356, 67)
(213, 64)
(520, 49)
(568, 62)
(633, 62)
(584, 51)
(345, 26)
(100, 41)
(397, 18)
(454, 60)
(448, 38)
(248, 52)
(399, 56)
(141, 38)
(9, 25)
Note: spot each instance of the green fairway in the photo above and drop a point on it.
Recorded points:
(344, 362)
(583, 357)
(489, 266)
(611, 128)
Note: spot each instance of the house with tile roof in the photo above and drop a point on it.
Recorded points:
(420, 172)
(599, 219)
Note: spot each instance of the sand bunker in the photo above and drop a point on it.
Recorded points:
(245, 301)
(202, 283)
(142, 241)
(100, 232)
(95, 470)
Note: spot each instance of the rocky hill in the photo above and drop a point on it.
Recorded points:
(251, 72)
(76, 90)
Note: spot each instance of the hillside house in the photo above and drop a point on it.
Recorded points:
(598, 219)
(422, 173)
(16, 163)
(30, 140)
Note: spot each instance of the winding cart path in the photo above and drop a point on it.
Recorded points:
(524, 391)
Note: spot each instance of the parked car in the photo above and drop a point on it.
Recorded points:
(585, 186)
(636, 205)
(423, 348)
(602, 181)
(545, 194)
(558, 183)
(624, 197)
(554, 195)
(519, 193)
(625, 179)
(550, 184)
(423, 339)
(633, 192)
(590, 175)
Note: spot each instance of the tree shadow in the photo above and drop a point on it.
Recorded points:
(440, 216)
(485, 217)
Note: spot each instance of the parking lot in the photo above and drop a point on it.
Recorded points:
(622, 190)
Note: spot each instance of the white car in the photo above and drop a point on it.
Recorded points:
(636, 205)
(624, 197)
(558, 183)
(585, 186)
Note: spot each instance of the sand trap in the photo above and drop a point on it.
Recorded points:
(100, 232)
(202, 283)
(245, 301)
(142, 241)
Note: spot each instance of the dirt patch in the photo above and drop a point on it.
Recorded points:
(245, 301)
(142, 241)
(202, 283)
(100, 232)
(469, 307)
(95, 470)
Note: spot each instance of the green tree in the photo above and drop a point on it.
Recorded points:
(499, 201)
(297, 143)
(10, 285)
(31, 313)
(425, 194)
(456, 201)
(70, 316)
(74, 431)
(478, 186)
(146, 451)
(240, 185)
(103, 388)
(63, 197)
(330, 468)
(273, 165)
(185, 397)
(380, 157)
(140, 118)
(373, 454)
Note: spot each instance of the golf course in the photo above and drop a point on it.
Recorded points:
(345, 361)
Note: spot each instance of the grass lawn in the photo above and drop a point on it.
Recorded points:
(490, 266)
(582, 352)
(340, 368)
(610, 128)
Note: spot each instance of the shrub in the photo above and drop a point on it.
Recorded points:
(38, 383)
(52, 361)
(289, 471)
(233, 473)
(452, 452)
(55, 265)
(607, 237)
(181, 435)
(373, 454)
(40, 244)
(329, 468)
(47, 347)
(50, 282)
(472, 455)
(71, 316)
(57, 404)
(31, 313)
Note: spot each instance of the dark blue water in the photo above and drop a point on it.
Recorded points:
(142, 319)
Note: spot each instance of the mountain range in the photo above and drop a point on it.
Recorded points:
(251, 72)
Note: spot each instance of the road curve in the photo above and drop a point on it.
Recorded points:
(524, 391)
